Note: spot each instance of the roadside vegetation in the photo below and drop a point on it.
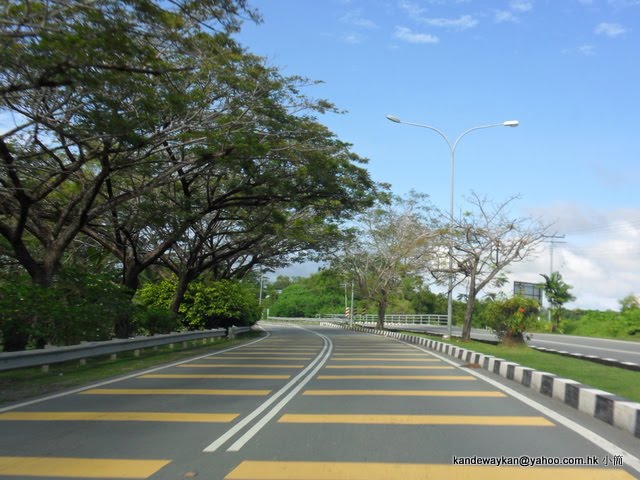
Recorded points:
(625, 383)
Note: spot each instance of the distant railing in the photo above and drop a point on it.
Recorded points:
(45, 357)
(428, 319)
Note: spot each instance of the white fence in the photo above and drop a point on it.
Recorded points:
(394, 319)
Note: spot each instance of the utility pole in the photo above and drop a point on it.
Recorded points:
(552, 241)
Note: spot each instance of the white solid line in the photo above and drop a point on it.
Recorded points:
(127, 377)
(609, 447)
(238, 444)
(249, 418)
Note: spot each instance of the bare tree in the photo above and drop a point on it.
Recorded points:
(485, 241)
(391, 242)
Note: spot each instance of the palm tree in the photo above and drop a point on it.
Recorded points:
(557, 292)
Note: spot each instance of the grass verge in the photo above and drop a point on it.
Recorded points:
(625, 383)
(27, 383)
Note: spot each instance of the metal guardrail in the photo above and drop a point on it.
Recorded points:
(47, 356)
(429, 319)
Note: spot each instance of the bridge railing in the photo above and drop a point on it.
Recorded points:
(429, 319)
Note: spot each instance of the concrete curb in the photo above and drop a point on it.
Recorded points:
(605, 406)
(612, 362)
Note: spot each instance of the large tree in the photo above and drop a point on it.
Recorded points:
(391, 242)
(486, 239)
(97, 92)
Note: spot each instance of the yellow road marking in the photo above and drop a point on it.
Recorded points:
(399, 354)
(79, 467)
(217, 375)
(120, 416)
(169, 391)
(239, 365)
(388, 367)
(365, 359)
(407, 393)
(363, 419)
(395, 377)
(252, 470)
(279, 358)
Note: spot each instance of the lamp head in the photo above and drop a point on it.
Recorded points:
(511, 123)
(393, 119)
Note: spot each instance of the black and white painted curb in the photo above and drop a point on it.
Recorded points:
(609, 408)
(593, 358)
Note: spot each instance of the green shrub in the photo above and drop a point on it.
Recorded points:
(206, 304)
(151, 319)
(78, 306)
(512, 318)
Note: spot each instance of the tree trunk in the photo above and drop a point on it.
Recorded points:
(181, 289)
(382, 311)
(468, 313)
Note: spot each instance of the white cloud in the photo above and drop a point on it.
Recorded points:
(502, 16)
(407, 35)
(586, 50)
(610, 29)
(356, 19)
(600, 259)
(521, 5)
(462, 23)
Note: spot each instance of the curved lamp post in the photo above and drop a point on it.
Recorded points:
(452, 153)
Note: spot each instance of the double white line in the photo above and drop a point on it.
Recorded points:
(290, 390)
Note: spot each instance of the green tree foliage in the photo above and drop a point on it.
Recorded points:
(512, 318)
(322, 292)
(605, 324)
(630, 302)
(558, 293)
(78, 306)
(207, 304)
(142, 129)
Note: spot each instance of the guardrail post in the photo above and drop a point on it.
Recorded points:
(113, 356)
(184, 344)
(136, 353)
(45, 368)
(172, 346)
(83, 361)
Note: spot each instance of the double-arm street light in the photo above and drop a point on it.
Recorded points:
(452, 153)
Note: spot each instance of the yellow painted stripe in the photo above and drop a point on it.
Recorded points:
(399, 354)
(215, 375)
(168, 391)
(389, 367)
(252, 470)
(120, 416)
(395, 377)
(418, 420)
(239, 365)
(224, 357)
(79, 467)
(406, 393)
(366, 359)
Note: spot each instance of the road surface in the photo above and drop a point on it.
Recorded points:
(308, 404)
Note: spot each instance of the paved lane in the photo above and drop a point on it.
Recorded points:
(301, 404)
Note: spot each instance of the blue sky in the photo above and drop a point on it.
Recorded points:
(568, 70)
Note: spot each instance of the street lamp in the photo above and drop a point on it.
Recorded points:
(452, 153)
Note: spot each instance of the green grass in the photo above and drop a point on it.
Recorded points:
(26, 383)
(625, 383)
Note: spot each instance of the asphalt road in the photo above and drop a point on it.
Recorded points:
(620, 350)
(308, 404)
